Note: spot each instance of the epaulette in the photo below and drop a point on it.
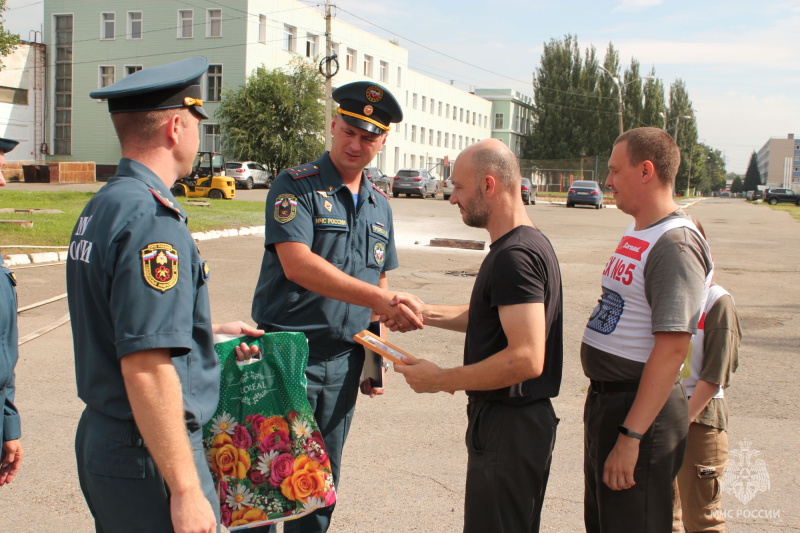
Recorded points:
(380, 191)
(166, 203)
(303, 171)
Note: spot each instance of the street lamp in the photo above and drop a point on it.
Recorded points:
(664, 116)
(677, 122)
(620, 86)
(583, 154)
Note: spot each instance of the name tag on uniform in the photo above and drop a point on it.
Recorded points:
(330, 222)
(378, 230)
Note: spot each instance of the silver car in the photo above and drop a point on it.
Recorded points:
(247, 174)
(416, 181)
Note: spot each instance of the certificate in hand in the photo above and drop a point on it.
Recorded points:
(381, 346)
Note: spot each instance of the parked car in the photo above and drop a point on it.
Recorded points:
(586, 193)
(248, 174)
(447, 188)
(773, 196)
(414, 181)
(754, 195)
(528, 192)
(381, 180)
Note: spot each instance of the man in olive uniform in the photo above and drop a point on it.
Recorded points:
(329, 243)
(11, 451)
(141, 326)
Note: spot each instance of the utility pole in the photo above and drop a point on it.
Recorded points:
(328, 75)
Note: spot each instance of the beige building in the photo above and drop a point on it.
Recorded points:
(779, 163)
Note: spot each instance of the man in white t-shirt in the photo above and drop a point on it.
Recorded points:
(653, 289)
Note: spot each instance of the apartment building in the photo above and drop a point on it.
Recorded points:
(22, 102)
(779, 163)
(512, 115)
(93, 43)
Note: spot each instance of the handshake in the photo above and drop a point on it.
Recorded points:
(401, 311)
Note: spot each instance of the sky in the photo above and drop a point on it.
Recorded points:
(739, 59)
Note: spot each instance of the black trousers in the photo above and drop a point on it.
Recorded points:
(510, 449)
(647, 506)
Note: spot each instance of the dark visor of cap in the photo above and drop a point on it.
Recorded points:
(164, 99)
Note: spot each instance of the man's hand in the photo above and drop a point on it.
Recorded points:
(421, 375)
(10, 461)
(191, 513)
(408, 305)
(243, 351)
(367, 386)
(618, 470)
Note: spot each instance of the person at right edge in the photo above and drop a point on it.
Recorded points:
(654, 289)
(712, 359)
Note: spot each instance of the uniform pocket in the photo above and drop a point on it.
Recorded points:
(707, 486)
(330, 241)
(108, 457)
(376, 249)
(484, 432)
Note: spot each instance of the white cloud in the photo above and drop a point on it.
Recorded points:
(636, 5)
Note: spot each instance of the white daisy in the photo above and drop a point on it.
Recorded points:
(239, 497)
(265, 462)
(301, 428)
(223, 423)
(313, 503)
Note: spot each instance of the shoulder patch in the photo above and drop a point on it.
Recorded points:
(285, 208)
(380, 191)
(160, 266)
(169, 204)
(303, 171)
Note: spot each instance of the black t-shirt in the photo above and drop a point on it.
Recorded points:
(521, 267)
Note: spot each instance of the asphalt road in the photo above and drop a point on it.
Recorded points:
(405, 461)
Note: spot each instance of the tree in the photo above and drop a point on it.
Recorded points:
(653, 102)
(276, 118)
(685, 129)
(8, 40)
(752, 178)
(736, 185)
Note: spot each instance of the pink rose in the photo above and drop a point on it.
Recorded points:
(225, 515)
(256, 420)
(278, 441)
(256, 477)
(330, 498)
(224, 489)
(282, 467)
(241, 437)
(316, 449)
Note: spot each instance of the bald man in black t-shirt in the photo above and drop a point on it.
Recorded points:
(513, 347)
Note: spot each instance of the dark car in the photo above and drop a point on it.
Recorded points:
(585, 193)
(773, 196)
(528, 192)
(381, 180)
(414, 181)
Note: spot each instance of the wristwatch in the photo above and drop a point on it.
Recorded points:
(628, 433)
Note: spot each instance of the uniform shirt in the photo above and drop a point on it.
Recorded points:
(520, 268)
(10, 426)
(311, 205)
(675, 276)
(135, 281)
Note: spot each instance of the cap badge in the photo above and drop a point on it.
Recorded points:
(368, 110)
(374, 93)
(189, 101)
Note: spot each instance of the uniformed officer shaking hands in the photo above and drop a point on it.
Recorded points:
(136, 285)
(329, 243)
(11, 450)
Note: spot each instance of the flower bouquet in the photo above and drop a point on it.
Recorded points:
(263, 445)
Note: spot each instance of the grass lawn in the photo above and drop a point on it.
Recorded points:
(793, 210)
(54, 229)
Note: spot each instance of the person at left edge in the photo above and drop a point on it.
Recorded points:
(141, 327)
(10, 430)
(329, 243)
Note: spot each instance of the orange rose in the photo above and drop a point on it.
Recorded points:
(268, 426)
(307, 480)
(247, 515)
(227, 459)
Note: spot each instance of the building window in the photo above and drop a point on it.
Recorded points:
(460, 142)
(311, 45)
(413, 136)
(134, 24)
(414, 100)
(185, 23)
(12, 95)
(498, 121)
(131, 69)
(62, 125)
(405, 136)
(446, 139)
(473, 118)
(105, 76)
(440, 108)
(413, 161)
(399, 76)
(262, 28)
(214, 85)
(424, 103)
(461, 114)
(384, 73)
(214, 23)
(211, 137)
(367, 66)
(107, 25)
(335, 49)
(352, 55)
(289, 38)
(432, 106)
(422, 135)
(430, 137)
